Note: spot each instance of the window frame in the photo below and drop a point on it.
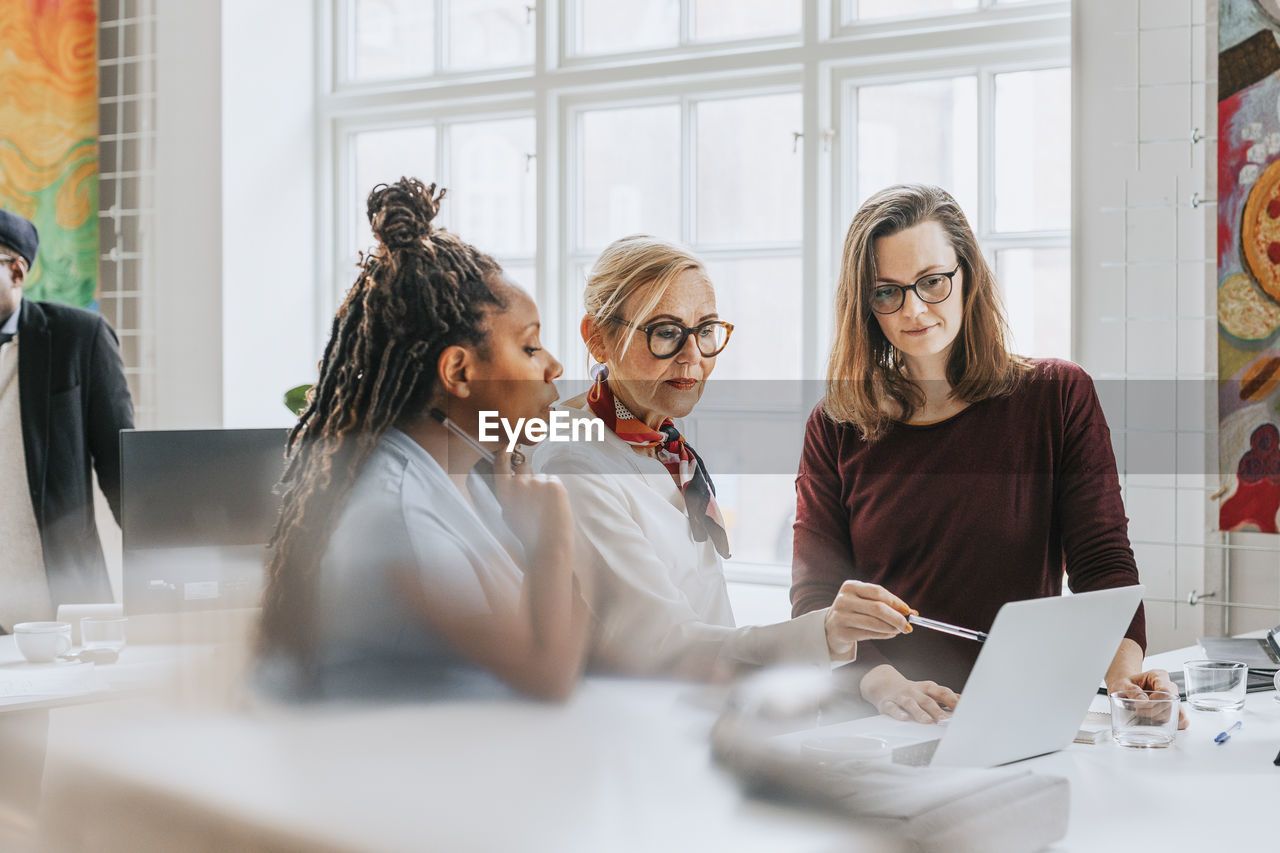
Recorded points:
(822, 61)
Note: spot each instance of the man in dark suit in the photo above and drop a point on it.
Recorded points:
(70, 404)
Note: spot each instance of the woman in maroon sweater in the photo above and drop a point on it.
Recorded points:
(940, 465)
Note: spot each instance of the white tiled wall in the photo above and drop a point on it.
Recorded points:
(126, 152)
(126, 140)
(1145, 148)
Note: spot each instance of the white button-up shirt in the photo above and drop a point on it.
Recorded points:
(658, 596)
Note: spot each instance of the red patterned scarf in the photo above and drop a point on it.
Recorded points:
(685, 465)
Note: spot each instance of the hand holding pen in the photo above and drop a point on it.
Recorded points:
(947, 628)
(863, 611)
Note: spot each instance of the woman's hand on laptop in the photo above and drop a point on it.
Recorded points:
(863, 611)
(1138, 685)
(895, 696)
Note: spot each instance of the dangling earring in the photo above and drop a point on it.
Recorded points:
(599, 372)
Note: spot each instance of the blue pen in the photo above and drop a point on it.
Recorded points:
(1223, 737)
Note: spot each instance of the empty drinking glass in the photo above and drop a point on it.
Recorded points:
(97, 632)
(1144, 722)
(1215, 685)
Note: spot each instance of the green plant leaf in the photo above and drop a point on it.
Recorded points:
(295, 399)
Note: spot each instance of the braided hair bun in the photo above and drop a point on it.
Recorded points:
(401, 213)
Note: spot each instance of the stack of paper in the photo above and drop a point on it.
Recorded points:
(21, 680)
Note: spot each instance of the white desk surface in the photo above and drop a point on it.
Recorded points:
(625, 765)
(139, 667)
(1197, 795)
(1173, 798)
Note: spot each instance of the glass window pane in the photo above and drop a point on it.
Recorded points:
(630, 173)
(575, 358)
(762, 298)
(749, 170)
(1036, 286)
(718, 20)
(489, 34)
(759, 511)
(392, 38)
(925, 132)
(526, 277)
(384, 156)
(1033, 150)
(493, 185)
(752, 461)
(871, 9)
(619, 26)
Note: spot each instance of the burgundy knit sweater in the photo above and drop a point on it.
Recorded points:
(961, 516)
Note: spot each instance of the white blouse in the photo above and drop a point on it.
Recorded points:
(404, 511)
(658, 596)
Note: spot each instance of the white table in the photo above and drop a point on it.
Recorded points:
(24, 716)
(624, 765)
(1195, 795)
(138, 668)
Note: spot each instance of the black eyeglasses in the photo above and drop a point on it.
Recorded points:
(932, 288)
(667, 337)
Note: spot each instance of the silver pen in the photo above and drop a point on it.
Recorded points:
(945, 628)
(517, 458)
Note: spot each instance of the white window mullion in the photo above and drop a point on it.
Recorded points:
(443, 160)
(553, 286)
(688, 170)
(985, 214)
(439, 35)
(686, 22)
(571, 234)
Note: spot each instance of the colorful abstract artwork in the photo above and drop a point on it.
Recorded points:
(49, 138)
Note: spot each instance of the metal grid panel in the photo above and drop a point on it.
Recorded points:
(126, 150)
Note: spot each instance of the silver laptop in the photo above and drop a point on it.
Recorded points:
(1262, 654)
(1029, 690)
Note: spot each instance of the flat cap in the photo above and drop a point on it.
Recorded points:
(19, 234)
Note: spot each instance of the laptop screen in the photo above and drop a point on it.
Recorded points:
(197, 510)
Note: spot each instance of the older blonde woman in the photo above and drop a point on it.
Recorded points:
(644, 501)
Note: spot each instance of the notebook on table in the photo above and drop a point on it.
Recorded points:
(1262, 654)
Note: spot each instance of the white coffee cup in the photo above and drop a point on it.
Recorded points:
(42, 642)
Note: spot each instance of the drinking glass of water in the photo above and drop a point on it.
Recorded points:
(100, 633)
(1215, 685)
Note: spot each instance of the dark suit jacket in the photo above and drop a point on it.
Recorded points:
(74, 401)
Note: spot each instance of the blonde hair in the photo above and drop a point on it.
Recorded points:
(865, 382)
(638, 264)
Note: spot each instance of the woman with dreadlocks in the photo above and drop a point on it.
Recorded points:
(396, 564)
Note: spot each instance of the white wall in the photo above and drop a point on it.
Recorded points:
(188, 257)
(235, 247)
(1142, 259)
(269, 247)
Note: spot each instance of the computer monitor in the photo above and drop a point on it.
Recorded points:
(197, 508)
